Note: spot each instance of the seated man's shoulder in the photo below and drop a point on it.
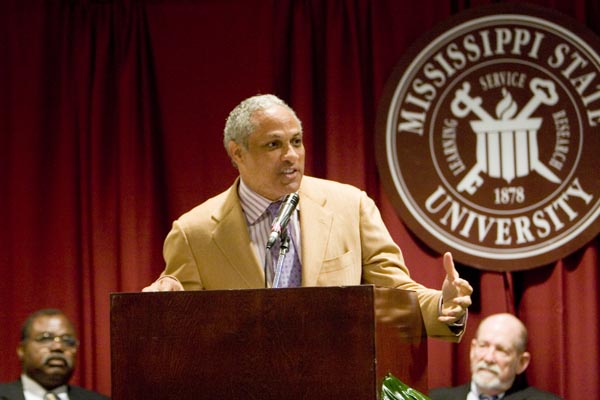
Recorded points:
(461, 392)
(449, 393)
(534, 393)
(9, 387)
(77, 392)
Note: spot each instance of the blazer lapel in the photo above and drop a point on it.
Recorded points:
(315, 226)
(232, 238)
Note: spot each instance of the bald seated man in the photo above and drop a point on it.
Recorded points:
(498, 357)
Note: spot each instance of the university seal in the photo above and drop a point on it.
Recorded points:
(488, 137)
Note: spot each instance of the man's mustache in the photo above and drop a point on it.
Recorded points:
(489, 367)
(58, 356)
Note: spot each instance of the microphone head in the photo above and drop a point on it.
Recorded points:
(292, 198)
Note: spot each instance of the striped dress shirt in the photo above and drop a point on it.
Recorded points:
(255, 210)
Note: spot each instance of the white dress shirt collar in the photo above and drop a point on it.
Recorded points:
(474, 393)
(34, 391)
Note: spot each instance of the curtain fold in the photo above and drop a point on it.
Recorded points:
(111, 119)
(84, 212)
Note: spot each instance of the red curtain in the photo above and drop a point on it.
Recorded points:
(111, 118)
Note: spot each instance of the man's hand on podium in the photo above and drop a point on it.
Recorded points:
(165, 283)
(456, 294)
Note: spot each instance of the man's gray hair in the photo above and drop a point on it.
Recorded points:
(239, 124)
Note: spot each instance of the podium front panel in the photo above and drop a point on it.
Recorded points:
(297, 343)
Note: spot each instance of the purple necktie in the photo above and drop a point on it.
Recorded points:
(291, 271)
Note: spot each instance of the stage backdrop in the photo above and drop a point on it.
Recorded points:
(111, 118)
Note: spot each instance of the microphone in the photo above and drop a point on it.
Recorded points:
(290, 202)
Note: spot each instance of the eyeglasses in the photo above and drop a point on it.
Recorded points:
(46, 339)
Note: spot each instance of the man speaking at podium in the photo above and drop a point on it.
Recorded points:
(334, 234)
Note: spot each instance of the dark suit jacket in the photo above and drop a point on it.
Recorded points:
(519, 391)
(14, 391)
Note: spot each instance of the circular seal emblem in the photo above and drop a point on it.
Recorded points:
(488, 137)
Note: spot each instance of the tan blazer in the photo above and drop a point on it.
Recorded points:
(344, 243)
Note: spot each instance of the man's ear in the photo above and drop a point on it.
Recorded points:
(235, 151)
(473, 344)
(523, 362)
(20, 351)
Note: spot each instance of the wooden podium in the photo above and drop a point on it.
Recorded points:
(298, 343)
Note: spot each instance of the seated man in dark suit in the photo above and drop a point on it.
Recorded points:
(47, 353)
(498, 358)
